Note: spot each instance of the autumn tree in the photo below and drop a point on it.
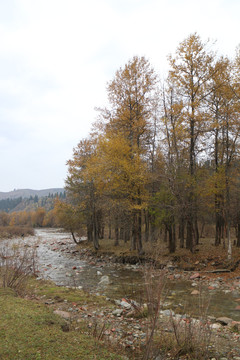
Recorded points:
(175, 154)
(80, 186)
(191, 72)
(128, 120)
(68, 217)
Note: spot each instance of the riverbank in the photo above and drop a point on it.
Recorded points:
(31, 329)
(123, 325)
(208, 260)
(50, 322)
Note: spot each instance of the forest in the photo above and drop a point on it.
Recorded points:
(163, 155)
(161, 160)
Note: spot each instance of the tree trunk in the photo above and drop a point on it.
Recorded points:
(146, 225)
(172, 238)
(116, 243)
(95, 231)
(181, 232)
(109, 230)
(121, 235)
(166, 231)
(153, 232)
(196, 232)
(139, 232)
(238, 235)
(189, 239)
(133, 237)
(74, 238)
(90, 231)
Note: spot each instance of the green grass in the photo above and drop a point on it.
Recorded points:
(31, 331)
(60, 293)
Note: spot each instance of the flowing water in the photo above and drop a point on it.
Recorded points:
(60, 261)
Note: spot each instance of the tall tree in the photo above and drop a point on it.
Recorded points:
(191, 72)
(80, 186)
(131, 94)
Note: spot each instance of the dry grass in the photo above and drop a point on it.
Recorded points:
(8, 232)
(175, 336)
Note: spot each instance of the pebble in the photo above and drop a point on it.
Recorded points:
(216, 326)
(63, 314)
(195, 292)
(195, 276)
(104, 280)
(125, 305)
(117, 312)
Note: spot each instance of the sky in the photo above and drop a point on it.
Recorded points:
(57, 56)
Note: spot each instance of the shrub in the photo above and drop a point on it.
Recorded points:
(16, 265)
(8, 232)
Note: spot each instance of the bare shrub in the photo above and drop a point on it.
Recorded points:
(190, 337)
(154, 293)
(174, 335)
(16, 265)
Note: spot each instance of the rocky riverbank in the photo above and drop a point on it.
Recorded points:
(122, 321)
(122, 326)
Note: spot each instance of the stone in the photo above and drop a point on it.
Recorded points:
(224, 320)
(216, 326)
(167, 312)
(214, 285)
(195, 292)
(104, 280)
(125, 305)
(117, 312)
(177, 276)
(99, 273)
(195, 276)
(63, 314)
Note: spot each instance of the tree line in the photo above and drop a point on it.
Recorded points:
(162, 154)
(32, 203)
(34, 218)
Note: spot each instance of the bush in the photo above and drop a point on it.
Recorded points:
(16, 265)
(8, 232)
(173, 335)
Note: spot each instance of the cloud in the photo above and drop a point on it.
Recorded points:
(56, 57)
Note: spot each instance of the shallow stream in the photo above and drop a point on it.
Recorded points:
(60, 261)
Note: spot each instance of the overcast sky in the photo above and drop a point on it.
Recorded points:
(56, 57)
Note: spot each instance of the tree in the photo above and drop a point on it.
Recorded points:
(131, 96)
(191, 72)
(68, 217)
(80, 186)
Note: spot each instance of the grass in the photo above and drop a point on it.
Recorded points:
(31, 331)
(59, 293)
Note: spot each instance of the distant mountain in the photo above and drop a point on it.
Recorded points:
(27, 193)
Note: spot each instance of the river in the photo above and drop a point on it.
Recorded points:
(60, 261)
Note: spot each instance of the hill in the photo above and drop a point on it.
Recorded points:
(27, 193)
